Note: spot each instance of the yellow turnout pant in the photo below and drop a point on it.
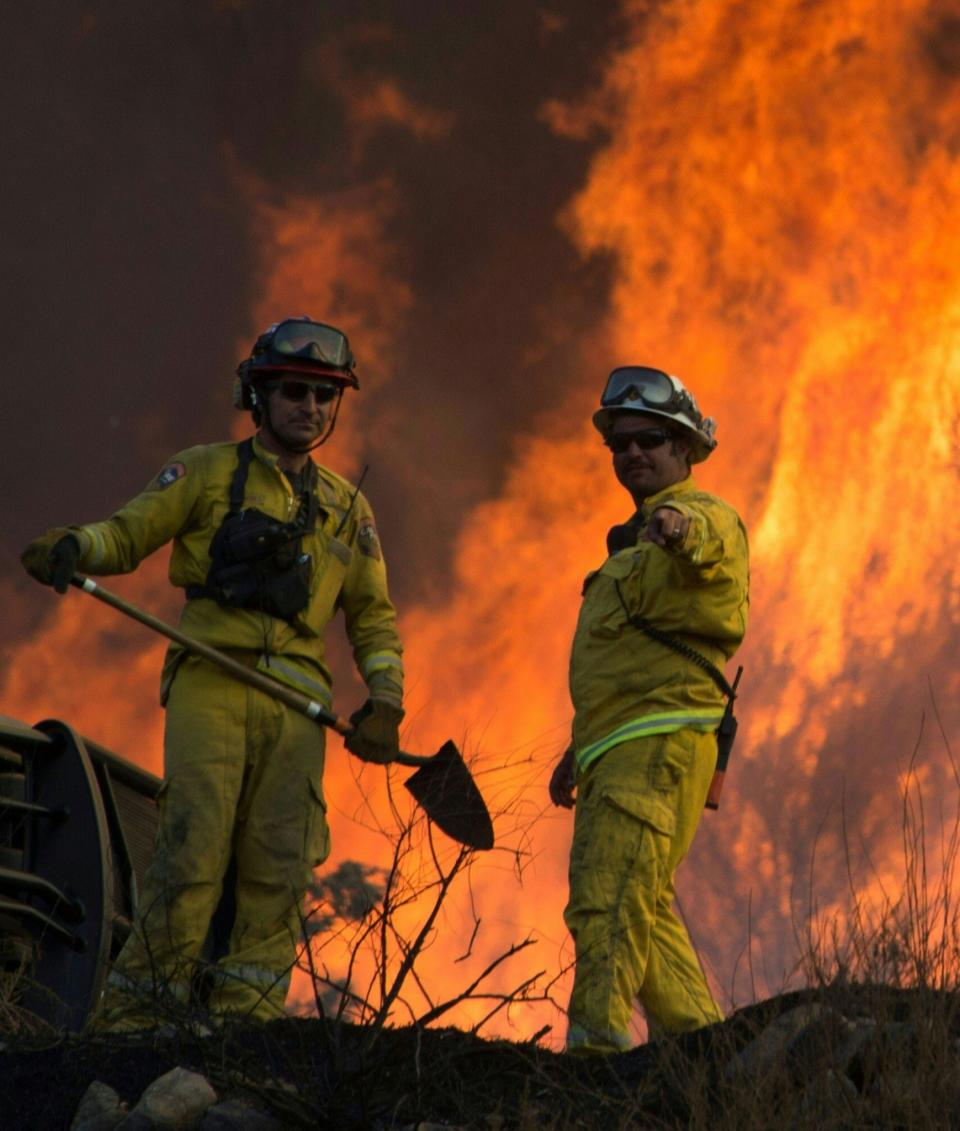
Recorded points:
(636, 813)
(243, 774)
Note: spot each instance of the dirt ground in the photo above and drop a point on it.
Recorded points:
(311, 1074)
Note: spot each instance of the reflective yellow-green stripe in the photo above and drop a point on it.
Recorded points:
(294, 677)
(94, 547)
(378, 662)
(665, 722)
(580, 1038)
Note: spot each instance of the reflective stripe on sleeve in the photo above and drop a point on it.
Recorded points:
(378, 662)
(94, 547)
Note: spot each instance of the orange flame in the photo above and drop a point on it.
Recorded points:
(778, 194)
(777, 199)
(775, 189)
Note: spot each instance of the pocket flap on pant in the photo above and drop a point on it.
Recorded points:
(653, 807)
(317, 847)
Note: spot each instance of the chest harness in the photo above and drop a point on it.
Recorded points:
(257, 561)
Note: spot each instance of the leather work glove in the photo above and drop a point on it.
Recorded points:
(376, 732)
(52, 558)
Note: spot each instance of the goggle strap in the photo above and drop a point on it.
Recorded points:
(630, 380)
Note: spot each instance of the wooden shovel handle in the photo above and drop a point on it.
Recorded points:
(292, 698)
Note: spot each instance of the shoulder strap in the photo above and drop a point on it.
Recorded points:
(239, 482)
(309, 504)
(679, 646)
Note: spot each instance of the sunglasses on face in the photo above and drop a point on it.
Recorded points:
(646, 440)
(297, 391)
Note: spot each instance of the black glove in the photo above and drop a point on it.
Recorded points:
(52, 558)
(376, 732)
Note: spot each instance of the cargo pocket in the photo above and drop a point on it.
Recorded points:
(317, 834)
(671, 759)
(655, 808)
(171, 666)
(615, 841)
(608, 618)
(161, 801)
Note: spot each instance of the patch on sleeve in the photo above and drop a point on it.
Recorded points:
(367, 541)
(170, 475)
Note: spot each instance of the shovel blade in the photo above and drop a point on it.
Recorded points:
(447, 793)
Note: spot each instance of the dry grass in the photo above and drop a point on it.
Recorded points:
(879, 1047)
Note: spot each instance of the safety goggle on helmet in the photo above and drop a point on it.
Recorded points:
(297, 345)
(639, 388)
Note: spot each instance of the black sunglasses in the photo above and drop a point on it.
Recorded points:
(646, 440)
(297, 391)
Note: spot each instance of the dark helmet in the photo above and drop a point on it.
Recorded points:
(296, 345)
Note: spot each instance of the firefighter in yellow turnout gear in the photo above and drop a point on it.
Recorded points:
(267, 546)
(644, 745)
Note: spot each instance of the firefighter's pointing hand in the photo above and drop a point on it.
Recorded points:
(668, 528)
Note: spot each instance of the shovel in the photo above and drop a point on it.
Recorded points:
(442, 784)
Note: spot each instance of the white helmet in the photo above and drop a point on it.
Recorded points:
(637, 388)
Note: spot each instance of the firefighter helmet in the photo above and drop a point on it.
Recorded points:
(296, 345)
(638, 388)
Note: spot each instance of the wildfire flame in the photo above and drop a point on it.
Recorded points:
(775, 188)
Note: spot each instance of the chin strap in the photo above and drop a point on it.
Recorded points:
(331, 423)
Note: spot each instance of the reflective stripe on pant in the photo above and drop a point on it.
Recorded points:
(637, 811)
(242, 772)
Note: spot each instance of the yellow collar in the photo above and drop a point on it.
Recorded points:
(683, 487)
